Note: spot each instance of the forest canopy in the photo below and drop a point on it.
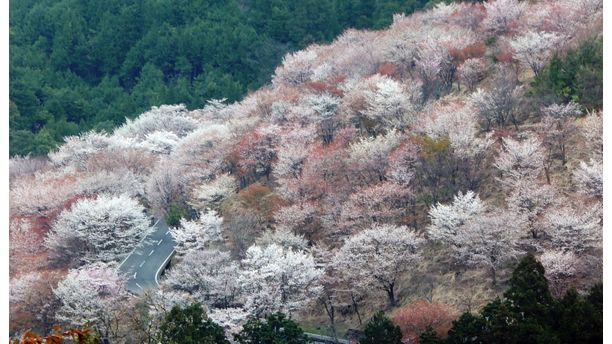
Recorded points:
(83, 65)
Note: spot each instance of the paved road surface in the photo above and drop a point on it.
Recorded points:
(148, 259)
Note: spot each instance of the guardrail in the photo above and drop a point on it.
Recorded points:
(320, 339)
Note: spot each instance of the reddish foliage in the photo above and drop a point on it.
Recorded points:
(324, 87)
(417, 316)
(504, 56)
(388, 69)
(471, 51)
(259, 198)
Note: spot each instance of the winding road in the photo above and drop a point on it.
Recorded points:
(148, 259)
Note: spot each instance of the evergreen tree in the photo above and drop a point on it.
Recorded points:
(380, 330)
(429, 337)
(190, 326)
(275, 329)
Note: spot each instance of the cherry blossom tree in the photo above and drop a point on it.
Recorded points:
(160, 141)
(368, 156)
(26, 166)
(381, 203)
(93, 294)
(588, 178)
(502, 15)
(389, 105)
(434, 63)
(499, 104)
(301, 218)
(101, 229)
(521, 159)
(209, 275)
(197, 234)
(592, 132)
(283, 238)
(403, 161)
(530, 200)
(165, 185)
(255, 154)
(31, 299)
(25, 245)
(274, 279)
(296, 68)
(575, 228)
(77, 149)
(115, 182)
(166, 119)
(558, 128)
(39, 195)
(377, 257)
(472, 71)
(534, 49)
(211, 194)
(475, 235)
(560, 266)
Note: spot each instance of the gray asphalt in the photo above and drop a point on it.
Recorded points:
(144, 264)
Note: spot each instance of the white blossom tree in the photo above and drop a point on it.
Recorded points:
(472, 71)
(534, 49)
(476, 236)
(284, 238)
(77, 149)
(274, 279)
(378, 256)
(209, 275)
(558, 127)
(166, 118)
(502, 15)
(588, 178)
(93, 294)
(368, 156)
(521, 159)
(575, 228)
(530, 200)
(101, 229)
(197, 234)
(390, 105)
(211, 194)
(160, 141)
(559, 266)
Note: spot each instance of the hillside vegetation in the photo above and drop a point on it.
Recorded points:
(405, 170)
(81, 65)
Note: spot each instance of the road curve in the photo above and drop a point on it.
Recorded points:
(144, 264)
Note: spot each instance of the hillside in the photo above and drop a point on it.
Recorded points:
(82, 65)
(417, 162)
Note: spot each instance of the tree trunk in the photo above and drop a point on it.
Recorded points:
(356, 308)
(391, 295)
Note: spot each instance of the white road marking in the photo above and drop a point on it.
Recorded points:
(141, 264)
(139, 286)
(135, 274)
(150, 253)
(160, 241)
(167, 232)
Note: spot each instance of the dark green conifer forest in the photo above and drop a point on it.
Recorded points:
(82, 65)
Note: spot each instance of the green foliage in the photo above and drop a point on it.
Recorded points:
(176, 212)
(77, 66)
(380, 330)
(577, 76)
(429, 337)
(275, 329)
(529, 314)
(189, 326)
